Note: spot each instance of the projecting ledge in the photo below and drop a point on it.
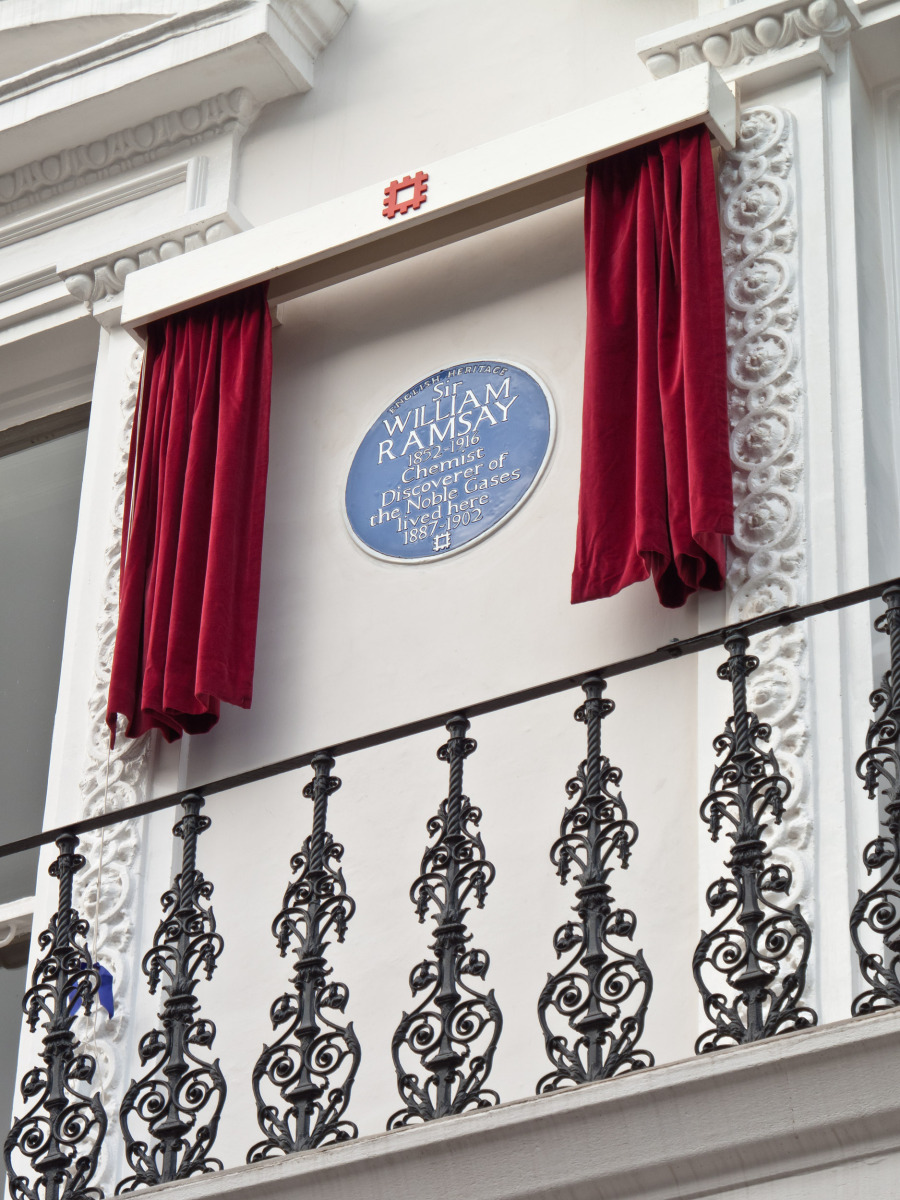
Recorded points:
(818, 1113)
(477, 189)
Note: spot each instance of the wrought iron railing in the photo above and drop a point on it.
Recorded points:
(750, 969)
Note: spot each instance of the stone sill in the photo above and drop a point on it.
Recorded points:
(818, 1111)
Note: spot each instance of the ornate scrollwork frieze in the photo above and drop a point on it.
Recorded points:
(768, 566)
(453, 1032)
(760, 948)
(747, 40)
(125, 150)
(51, 1151)
(603, 990)
(178, 1101)
(103, 281)
(113, 778)
(302, 1082)
(875, 920)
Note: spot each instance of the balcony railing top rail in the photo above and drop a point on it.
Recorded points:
(677, 648)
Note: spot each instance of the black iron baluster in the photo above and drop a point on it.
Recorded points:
(454, 1031)
(61, 1134)
(755, 938)
(313, 1064)
(604, 989)
(876, 913)
(179, 1099)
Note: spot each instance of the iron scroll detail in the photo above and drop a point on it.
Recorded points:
(179, 1099)
(454, 1031)
(312, 1066)
(760, 947)
(61, 1133)
(603, 991)
(875, 919)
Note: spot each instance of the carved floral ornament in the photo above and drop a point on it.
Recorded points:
(767, 406)
(106, 888)
(737, 41)
(105, 280)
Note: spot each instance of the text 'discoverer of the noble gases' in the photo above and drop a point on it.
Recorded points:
(450, 459)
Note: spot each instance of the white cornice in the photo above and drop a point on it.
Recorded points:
(16, 13)
(107, 198)
(783, 37)
(124, 150)
(125, 45)
(99, 282)
(267, 47)
(314, 22)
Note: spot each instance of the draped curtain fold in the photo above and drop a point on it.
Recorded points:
(193, 521)
(656, 493)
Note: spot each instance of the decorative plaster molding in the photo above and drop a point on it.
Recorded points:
(108, 886)
(95, 283)
(313, 22)
(31, 281)
(738, 36)
(126, 149)
(66, 213)
(768, 565)
(267, 46)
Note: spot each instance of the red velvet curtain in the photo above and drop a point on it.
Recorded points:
(193, 522)
(656, 495)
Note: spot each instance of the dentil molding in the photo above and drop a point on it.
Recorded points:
(744, 39)
(767, 406)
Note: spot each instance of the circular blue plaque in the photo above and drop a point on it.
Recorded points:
(449, 460)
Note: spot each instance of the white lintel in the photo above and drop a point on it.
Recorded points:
(478, 189)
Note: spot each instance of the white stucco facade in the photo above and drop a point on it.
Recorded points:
(155, 155)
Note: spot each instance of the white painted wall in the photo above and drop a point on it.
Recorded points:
(410, 81)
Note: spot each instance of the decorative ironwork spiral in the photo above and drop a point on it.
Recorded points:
(178, 1101)
(312, 1066)
(759, 946)
(454, 1031)
(603, 991)
(876, 914)
(51, 1151)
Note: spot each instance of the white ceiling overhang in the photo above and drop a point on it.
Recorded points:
(183, 50)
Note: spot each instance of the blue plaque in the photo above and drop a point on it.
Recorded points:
(449, 460)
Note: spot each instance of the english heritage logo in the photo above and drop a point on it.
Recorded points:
(450, 460)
